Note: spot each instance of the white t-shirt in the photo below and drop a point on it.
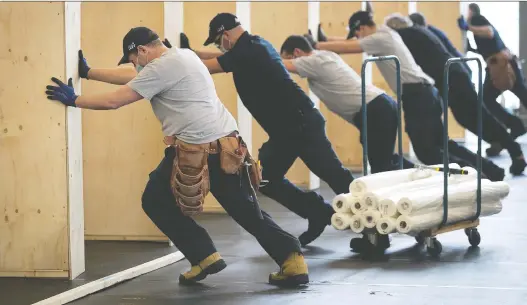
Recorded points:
(183, 97)
(386, 41)
(334, 82)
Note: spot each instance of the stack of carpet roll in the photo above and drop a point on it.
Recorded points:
(410, 201)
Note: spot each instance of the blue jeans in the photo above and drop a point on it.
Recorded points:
(312, 146)
(232, 192)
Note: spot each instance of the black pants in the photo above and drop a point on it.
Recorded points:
(463, 99)
(312, 146)
(381, 134)
(422, 112)
(490, 94)
(234, 196)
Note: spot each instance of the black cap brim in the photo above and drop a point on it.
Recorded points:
(123, 60)
(208, 41)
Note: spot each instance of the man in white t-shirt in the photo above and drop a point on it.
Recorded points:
(422, 103)
(199, 131)
(339, 87)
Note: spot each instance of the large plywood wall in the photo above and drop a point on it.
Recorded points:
(443, 15)
(121, 147)
(275, 21)
(344, 137)
(33, 188)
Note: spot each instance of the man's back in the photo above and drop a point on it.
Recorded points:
(386, 41)
(265, 87)
(334, 82)
(427, 50)
(183, 97)
(487, 46)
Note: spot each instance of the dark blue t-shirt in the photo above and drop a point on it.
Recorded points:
(265, 86)
(448, 44)
(428, 51)
(487, 46)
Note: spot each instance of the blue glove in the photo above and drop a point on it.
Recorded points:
(462, 24)
(83, 66)
(63, 93)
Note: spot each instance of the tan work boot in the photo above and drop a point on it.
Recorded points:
(293, 272)
(210, 265)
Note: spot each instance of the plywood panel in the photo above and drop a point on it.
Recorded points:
(33, 191)
(120, 147)
(197, 16)
(443, 15)
(381, 10)
(275, 21)
(344, 136)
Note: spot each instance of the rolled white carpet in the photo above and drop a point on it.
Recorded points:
(360, 186)
(370, 217)
(461, 193)
(388, 208)
(412, 225)
(356, 224)
(341, 221)
(386, 225)
(342, 203)
(357, 206)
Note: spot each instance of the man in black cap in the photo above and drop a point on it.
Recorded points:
(422, 103)
(199, 132)
(419, 20)
(503, 71)
(431, 55)
(295, 127)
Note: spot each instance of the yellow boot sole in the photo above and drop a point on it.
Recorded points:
(213, 268)
(288, 281)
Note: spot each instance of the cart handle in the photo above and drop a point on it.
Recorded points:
(445, 133)
(364, 117)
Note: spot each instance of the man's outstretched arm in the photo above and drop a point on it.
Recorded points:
(341, 47)
(115, 76)
(209, 58)
(65, 94)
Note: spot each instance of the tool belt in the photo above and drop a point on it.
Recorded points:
(500, 69)
(190, 180)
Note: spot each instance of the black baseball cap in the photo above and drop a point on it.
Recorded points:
(138, 36)
(356, 20)
(219, 24)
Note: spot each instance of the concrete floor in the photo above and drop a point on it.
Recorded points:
(493, 273)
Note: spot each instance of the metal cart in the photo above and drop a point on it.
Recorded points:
(428, 237)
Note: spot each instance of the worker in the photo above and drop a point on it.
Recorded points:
(431, 55)
(295, 127)
(205, 153)
(502, 73)
(422, 104)
(419, 19)
(339, 87)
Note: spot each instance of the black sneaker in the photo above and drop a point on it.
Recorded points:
(518, 165)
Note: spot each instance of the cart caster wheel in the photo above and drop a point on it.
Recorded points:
(467, 231)
(474, 238)
(420, 240)
(436, 248)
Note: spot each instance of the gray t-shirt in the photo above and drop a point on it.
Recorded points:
(334, 82)
(183, 97)
(386, 41)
